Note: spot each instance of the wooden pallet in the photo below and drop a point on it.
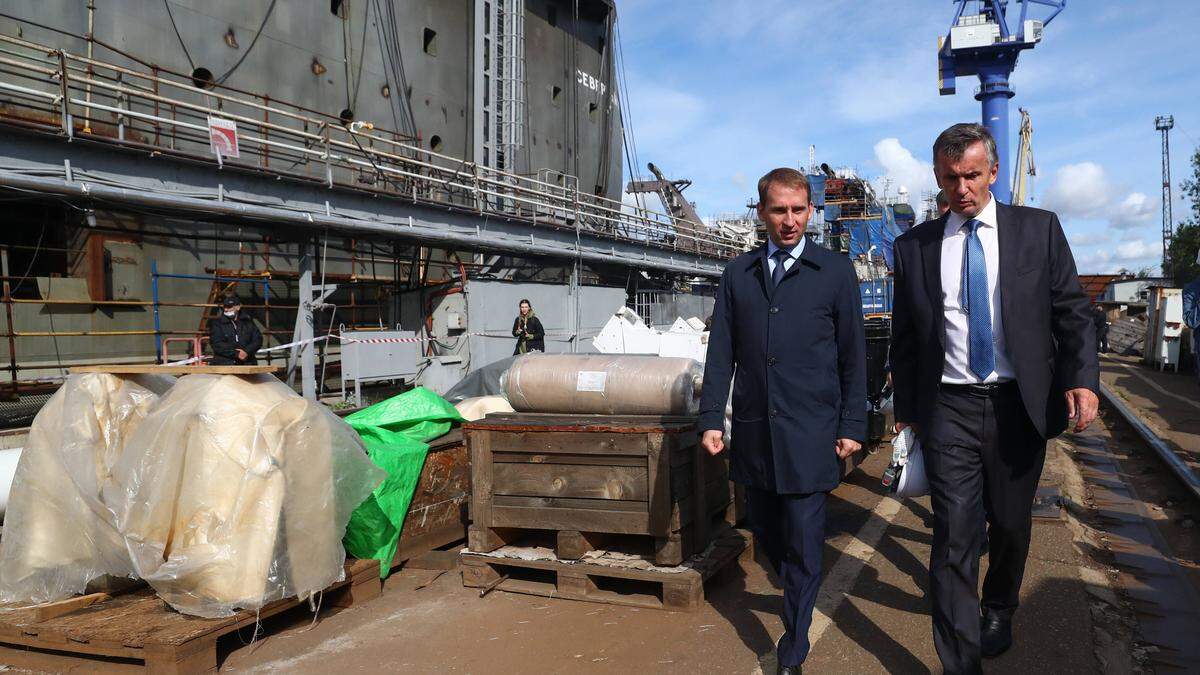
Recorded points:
(674, 591)
(137, 632)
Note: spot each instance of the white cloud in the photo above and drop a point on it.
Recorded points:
(1137, 210)
(738, 179)
(1079, 190)
(1131, 255)
(1083, 190)
(1088, 238)
(903, 169)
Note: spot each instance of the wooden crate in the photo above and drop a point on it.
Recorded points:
(437, 514)
(677, 591)
(589, 478)
(137, 631)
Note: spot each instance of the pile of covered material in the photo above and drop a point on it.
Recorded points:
(395, 432)
(627, 333)
(222, 492)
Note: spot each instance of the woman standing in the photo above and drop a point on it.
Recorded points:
(531, 337)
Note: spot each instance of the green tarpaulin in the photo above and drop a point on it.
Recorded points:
(394, 432)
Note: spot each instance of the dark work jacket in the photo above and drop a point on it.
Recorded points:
(1048, 332)
(800, 360)
(226, 336)
(537, 335)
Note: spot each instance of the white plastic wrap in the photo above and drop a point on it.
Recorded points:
(58, 533)
(227, 493)
(235, 491)
(603, 384)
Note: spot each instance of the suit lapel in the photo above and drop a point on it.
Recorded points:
(1008, 237)
(758, 268)
(931, 263)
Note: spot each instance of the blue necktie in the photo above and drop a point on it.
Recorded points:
(777, 275)
(975, 301)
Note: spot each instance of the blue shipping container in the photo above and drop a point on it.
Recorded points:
(876, 296)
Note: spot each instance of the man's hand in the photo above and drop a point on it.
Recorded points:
(713, 441)
(241, 354)
(846, 447)
(1082, 404)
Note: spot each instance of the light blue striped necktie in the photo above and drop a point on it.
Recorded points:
(975, 300)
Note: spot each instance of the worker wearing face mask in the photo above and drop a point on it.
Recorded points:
(233, 336)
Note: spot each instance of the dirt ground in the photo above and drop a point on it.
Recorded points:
(872, 616)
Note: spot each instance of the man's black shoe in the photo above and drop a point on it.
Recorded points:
(789, 670)
(995, 634)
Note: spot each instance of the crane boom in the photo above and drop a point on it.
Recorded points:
(1025, 168)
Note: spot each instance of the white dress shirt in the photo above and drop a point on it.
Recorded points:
(957, 369)
(793, 255)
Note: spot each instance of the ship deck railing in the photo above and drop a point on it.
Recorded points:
(146, 107)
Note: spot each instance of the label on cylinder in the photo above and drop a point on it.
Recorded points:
(591, 380)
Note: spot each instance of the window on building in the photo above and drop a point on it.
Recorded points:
(593, 112)
(430, 42)
(556, 95)
(435, 143)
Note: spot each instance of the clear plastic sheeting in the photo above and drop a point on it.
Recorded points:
(225, 493)
(58, 533)
(604, 384)
(235, 491)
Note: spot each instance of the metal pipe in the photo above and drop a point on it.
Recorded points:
(91, 23)
(12, 342)
(1177, 466)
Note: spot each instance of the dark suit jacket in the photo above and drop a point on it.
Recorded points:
(1048, 330)
(800, 359)
(226, 336)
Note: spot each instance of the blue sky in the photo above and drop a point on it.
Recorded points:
(722, 91)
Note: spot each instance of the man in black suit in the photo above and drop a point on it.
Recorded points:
(992, 350)
(788, 318)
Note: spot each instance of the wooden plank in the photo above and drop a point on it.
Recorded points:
(627, 424)
(569, 442)
(117, 369)
(434, 560)
(47, 661)
(589, 520)
(558, 480)
(578, 460)
(357, 572)
(659, 472)
(448, 440)
(51, 610)
(605, 505)
(414, 548)
(479, 445)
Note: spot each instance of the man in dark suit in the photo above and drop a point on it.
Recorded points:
(992, 350)
(788, 318)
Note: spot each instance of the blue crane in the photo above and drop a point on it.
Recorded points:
(983, 44)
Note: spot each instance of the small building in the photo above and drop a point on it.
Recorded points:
(1133, 291)
(1095, 285)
